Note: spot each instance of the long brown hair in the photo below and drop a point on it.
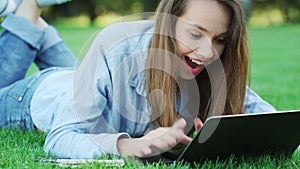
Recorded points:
(234, 61)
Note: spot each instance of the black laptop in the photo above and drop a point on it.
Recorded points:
(242, 135)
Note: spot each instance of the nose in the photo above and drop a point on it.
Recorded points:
(205, 49)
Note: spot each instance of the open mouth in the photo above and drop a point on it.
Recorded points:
(193, 63)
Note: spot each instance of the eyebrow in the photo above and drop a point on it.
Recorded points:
(205, 30)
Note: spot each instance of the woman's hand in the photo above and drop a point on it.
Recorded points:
(156, 141)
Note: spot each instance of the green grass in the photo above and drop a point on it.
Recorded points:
(275, 70)
(18, 149)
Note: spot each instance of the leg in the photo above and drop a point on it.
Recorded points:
(38, 42)
(54, 52)
(19, 46)
(29, 10)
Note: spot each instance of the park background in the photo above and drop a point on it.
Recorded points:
(101, 12)
(274, 43)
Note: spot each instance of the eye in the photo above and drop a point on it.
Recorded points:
(221, 41)
(196, 35)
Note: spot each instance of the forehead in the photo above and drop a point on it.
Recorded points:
(210, 14)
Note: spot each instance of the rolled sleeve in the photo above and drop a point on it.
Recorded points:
(32, 34)
(108, 142)
(75, 144)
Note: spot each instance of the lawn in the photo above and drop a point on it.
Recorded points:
(275, 75)
(275, 65)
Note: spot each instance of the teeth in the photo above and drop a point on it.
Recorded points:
(197, 62)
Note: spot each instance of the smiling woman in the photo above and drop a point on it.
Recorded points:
(205, 32)
(141, 87)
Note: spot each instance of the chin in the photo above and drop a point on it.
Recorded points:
(186, 75)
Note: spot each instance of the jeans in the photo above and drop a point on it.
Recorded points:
(21, 44)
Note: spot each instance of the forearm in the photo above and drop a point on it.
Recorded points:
(79, 145)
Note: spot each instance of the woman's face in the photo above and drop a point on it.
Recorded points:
(201, 34)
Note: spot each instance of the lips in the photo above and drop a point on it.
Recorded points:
(194, 65)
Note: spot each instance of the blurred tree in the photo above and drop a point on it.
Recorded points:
(149, 6)
(290, 9)
(93, 8)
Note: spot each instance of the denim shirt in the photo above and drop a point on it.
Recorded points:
(85, 111)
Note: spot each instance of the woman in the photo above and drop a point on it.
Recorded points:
(141, 86)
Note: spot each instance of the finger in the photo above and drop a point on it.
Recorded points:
(178, 131)
(141, 147)
(179, 124)
(157, 132)
(165, 142)
(186, 140)
(198, 123)
(145, 151)
(158, 143)
(181, 137)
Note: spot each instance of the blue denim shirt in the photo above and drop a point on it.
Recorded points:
(85, 111)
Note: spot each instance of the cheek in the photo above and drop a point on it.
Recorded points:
(183, 47)
(180, 48)
(182, 42)
(220, 50)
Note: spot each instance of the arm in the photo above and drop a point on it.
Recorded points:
(255, 104)
(80, 145)
(68, 139)
(73, 137)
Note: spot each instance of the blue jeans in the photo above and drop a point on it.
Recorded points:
(21, 44)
